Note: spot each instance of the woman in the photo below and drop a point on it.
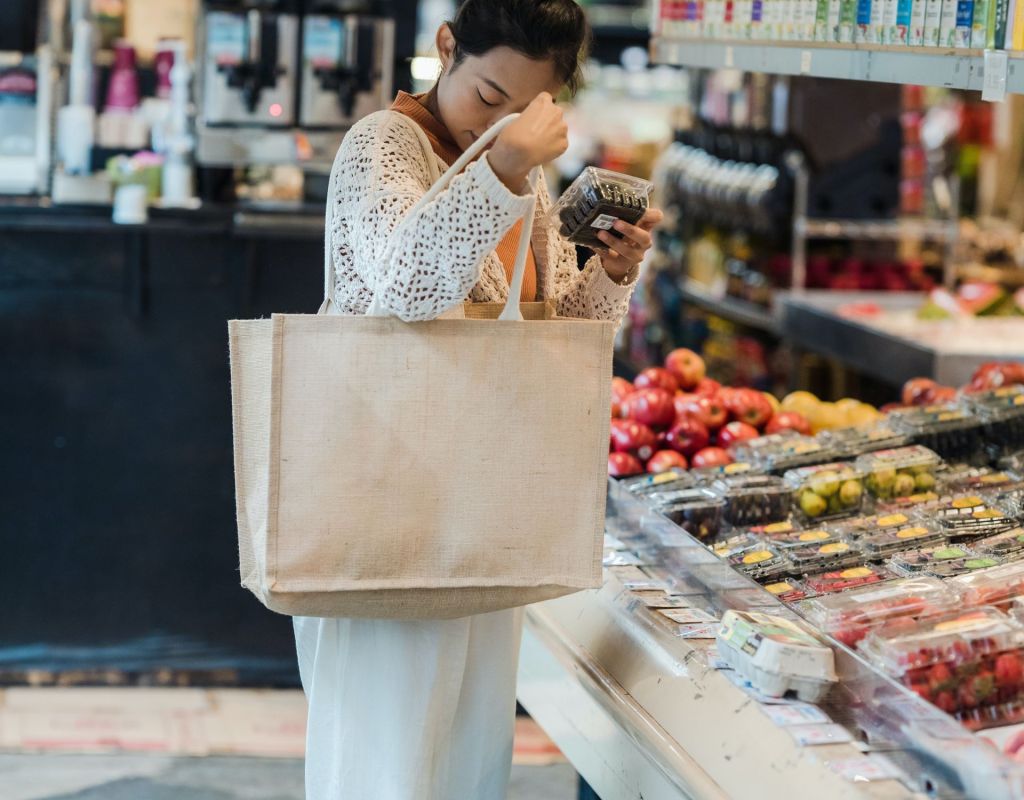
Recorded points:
(424, 710)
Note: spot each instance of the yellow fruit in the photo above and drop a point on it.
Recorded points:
(799, 401)
(826, 417)
(847, 404)
(864, 415)
(773, 401)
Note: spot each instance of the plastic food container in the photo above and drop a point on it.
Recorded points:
(996, 586)
(708, 475)
(753, 499)
(696, 511)
(736, 544)
(774, 530)
(968, 517)
(849, 578)
(826, 490)
(866, 526)
(788, 590)
(776, 655)
(854, 442)
(812, 558)
(954, 433)
(817, 537)
(670, 480)
(968, 663)
(964, 479)
(761, 562)
(925, 560)
(1010, 503)
(898, 538)
(901, 472)
(1008, 544)
(595, 200)
(849, 616)
(779, 452)
(1002, 415)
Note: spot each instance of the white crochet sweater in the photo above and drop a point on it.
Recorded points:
(425, 263)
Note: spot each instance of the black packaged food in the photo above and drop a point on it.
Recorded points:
(1002, 415)
(696, 511)
(761, 562)
(969, 517)
(672, 479)
(596, 199)
(954, 433)
(753, 499)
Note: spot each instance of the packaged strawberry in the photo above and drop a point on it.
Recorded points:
(849, 616)
(996, 586)
(968, 663)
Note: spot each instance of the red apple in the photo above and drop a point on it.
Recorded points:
(664, 460)
(686, 367)
(891, 407)
(708, 409)
(736, 432)
(707, 386)
(748, 405)
(652, 407)
(918, 391)
(657, 378)
(622, 465)
(688, 436)
(788, 421)
(711, 457)
(944, 394)
(621, 389)
(632, 437)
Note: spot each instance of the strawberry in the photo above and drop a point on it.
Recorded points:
(1008, 670)
(941, 678)
(922, 689)
(984, 684)
(965, 694)
(946, 702)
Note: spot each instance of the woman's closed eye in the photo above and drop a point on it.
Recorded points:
(484, 99)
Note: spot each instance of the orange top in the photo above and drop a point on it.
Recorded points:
(448, 151)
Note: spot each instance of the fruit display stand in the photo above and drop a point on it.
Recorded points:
(891, 344)
(643, 711)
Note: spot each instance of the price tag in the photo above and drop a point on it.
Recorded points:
(805, 62)
(730, 60)
(811, 735)
(994, 76)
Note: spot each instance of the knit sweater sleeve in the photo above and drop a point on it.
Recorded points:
(418, 263)
(588, 293)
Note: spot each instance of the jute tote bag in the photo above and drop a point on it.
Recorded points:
(420, 470)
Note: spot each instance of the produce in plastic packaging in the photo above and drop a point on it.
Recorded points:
(673, 479)
(968, 663)
(901, 472)
(899, 538)
(850, 616)
(753, 499)
(1008, 544)
(776, 655)
(963, 479)
(927, 559)
(969, 517)
(865, 526)
(697, 511)
(783, 451)
(736, 544)
(826, 490)
(850, 578)
(811, 558)
(854, 442)
(996, 586)
(595, 201)
(761, 562)
(817, 537)
(1002, 415)
(788, 590)
(954, 433)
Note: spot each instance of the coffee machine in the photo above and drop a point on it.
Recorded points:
(280, 81)
(247, 57)
(346, 67)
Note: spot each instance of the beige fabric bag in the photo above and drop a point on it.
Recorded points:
(419, 470)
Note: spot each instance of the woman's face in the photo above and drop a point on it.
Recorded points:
(482, 89)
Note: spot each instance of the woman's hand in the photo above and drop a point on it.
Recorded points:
(625, 253)
(538, 136)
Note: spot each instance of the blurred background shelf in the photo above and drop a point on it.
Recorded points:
(738, 311)
(951, 69)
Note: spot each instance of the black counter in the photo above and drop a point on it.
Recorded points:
(116, 483)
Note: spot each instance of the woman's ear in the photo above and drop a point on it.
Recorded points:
(445, 42)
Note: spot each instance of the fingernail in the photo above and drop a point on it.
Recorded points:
(620, 225)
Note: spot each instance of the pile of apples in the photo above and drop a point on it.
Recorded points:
(675, 416)
(990, 375)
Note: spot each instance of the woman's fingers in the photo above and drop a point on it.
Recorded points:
(623, 247)
(651, 218)
(641, 237)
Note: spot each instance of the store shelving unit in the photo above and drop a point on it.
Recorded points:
(738, 311)
(923, 66)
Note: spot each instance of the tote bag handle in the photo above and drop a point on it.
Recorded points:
(511, 310)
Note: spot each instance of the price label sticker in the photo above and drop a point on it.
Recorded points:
(811, 735)
(805, 62)
(866, 768)
(730, 60)
(993, 87)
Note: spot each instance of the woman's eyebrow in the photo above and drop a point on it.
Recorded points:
(496, 87)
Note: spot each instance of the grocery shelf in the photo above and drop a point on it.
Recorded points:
(738, 311)
(924, 66)
(880, 230)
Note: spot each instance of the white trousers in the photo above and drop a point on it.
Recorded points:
(409, 710)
